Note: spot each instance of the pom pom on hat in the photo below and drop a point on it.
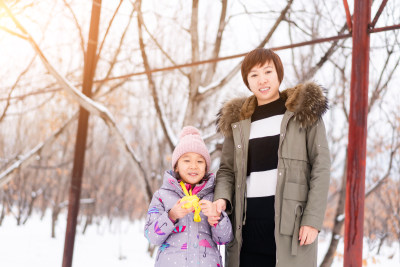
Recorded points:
(190, 141)
(189, 130)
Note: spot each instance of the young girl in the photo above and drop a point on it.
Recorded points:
(176, 219)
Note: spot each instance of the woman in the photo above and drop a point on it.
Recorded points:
(274, 172)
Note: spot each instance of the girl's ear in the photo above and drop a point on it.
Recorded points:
(176, 168)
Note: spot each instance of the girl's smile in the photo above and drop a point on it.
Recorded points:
(191, 168)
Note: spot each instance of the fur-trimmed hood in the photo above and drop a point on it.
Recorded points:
(307, 101)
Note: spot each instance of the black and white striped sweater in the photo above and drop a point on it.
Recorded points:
(258, 233)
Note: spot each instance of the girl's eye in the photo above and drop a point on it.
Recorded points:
(201, 162)
(268, 72)
(254, 75)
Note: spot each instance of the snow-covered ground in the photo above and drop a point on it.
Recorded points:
(119, 245)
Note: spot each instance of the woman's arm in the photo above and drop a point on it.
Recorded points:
(319, 158)
(225, 178)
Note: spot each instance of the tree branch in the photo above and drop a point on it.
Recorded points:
(82, 40)
(194, 77)
(210, 91)
(107, 31)
(379, 89)
(378, 183)
(91, 106)
(217, 44)
(13, 33)
(116, 54)
(14, 86)
(332, 49)
(24, 160)
(164, 124)
(159, 45)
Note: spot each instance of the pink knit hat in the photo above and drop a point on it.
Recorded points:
(190, 141)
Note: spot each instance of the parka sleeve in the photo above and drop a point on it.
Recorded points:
(222, 232)
(319, 157)
(225, 178)
(158, 226)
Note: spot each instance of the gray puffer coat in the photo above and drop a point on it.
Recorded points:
(185, 243)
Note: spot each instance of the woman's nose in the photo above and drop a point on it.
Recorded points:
(263, 79)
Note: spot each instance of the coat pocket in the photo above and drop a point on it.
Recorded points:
(293, 204)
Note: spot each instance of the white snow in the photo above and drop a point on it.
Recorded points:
(120, 245)
(340, 218)
(388, 257)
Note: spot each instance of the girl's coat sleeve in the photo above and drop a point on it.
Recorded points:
(158, 225)
(222, 232)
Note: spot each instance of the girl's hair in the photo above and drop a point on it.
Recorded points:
(260, 56)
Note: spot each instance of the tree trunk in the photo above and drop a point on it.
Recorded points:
(339, 221)
(81, 137)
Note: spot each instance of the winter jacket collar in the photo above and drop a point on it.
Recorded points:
(307, 101)
(171, 182)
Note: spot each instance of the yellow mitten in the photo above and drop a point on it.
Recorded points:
(192, 202)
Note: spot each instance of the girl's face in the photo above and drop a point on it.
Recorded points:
(264, 83)
(191, 168)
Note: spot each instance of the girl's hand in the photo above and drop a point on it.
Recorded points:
(213, 220)
(307, 235)
(220, 205)
(177, 212)
(208, 208)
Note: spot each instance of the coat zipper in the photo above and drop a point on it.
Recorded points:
(284, 135)
(243, 172)
(283, 162)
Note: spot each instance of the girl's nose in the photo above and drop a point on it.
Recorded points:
(193, 165)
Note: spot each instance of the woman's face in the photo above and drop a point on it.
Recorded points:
(191, 168)
(264, 83)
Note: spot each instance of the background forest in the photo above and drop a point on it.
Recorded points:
(136, 114)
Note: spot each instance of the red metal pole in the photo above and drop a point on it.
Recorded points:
(80, 144)
(348, 16)
(378, 13)
(355, 186)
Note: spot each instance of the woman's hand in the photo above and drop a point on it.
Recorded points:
(307, 235)
(220, 205)
(177, 212)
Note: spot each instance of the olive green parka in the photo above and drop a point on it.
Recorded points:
(303, 171)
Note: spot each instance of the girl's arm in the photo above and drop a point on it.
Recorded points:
(158, 225)
(222, 232)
